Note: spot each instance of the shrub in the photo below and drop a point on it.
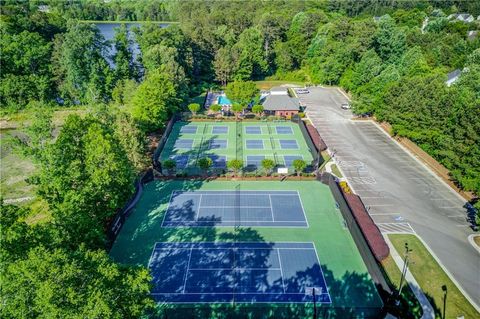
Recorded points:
(194, 108)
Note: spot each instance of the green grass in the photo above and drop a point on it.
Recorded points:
(23, 118)
(431, 277)
(409, 306)
(336, 171)
(15, 169)
(198, 99)
(204, 134)
(346, 275)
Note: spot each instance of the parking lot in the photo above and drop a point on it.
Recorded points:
(401, 194)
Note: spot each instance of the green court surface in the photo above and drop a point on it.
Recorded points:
(349, 284)
(223, 141)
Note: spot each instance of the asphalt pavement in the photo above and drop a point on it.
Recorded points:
(401, 194)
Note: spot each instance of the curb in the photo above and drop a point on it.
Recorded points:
(472, 242)
(477, 307)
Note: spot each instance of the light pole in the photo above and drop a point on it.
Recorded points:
(444, 288)
(404, 271)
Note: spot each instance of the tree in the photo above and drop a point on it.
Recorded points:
(125, 65)
(224, 65)
(131, 139)
(241, 92)
(237, 109)
(124, 91)
(26, 69)
(268, 165)
(251, 61)
(257, 109)
(299, 166)
(17, 237)
(154, 101)
(205, 163)
(215, 108)
(81, 69)
(235, 165)
(85, 176)
(194, 108)
(170, 166)
(390, 41)
(70, 284)
(40, 130)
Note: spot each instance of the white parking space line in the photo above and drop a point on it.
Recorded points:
(403, 228)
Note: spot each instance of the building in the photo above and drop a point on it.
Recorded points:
(453, 76)
(44, 8)
(472, 35)
(278, 102)
(464, 17)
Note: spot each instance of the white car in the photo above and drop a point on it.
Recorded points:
(302, 91)
(345, 106)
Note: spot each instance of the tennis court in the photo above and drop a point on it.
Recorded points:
(190, 141)
(249, 270)
(235, 208)
(243, 272)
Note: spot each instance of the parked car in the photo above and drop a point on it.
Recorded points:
(345, 106)
(302, 91)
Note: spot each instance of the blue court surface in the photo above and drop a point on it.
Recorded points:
(232, 208)
(253, 130)
(288, 144)
(290, 158)
(218, 161)
(189, 129)
(181, 161)
(255, 160)
(254, 144)
(183, 143)
(220, 130)
(218, 144)
(284, 130)
(243, 272)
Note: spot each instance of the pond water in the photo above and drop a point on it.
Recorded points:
(108, 32)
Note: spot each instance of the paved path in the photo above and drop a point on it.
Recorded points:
(401, 194)
(427, 308)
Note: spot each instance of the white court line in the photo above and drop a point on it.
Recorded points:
(236, 268)
(281, 269)
(321, 271)
(271, 206)
(197, 215)
(187, 270)
(168, 207)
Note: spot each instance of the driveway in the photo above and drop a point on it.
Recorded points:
(401, 195)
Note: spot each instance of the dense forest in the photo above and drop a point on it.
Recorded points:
(393, 57)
